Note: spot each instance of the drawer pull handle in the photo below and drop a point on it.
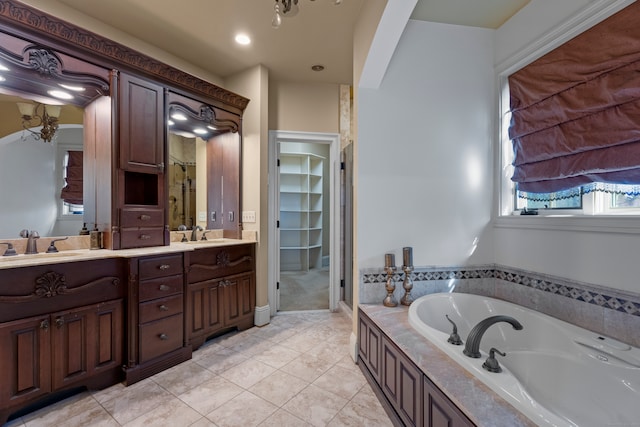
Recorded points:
(164, 266)
(44, 325)
(144, 237)
(163, 337)
(59, 322)
(163, 308)
(164, 288)
(144, 217)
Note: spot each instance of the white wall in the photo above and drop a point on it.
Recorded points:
(424, 150)
(568, 249)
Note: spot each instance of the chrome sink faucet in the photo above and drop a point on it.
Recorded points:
(31, 237)
(194, 232)
(472, 346)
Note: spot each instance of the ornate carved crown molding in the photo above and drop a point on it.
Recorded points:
(16, 13)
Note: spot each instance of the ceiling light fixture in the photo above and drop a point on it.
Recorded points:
(287, 8)
(60, 94)
(72, 87)
(40, 115)
(243, 39)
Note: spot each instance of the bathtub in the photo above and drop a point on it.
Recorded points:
(555, 373)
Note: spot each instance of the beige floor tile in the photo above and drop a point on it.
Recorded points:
(278, 387)
(137, 400)
(341, 381)
(248, 373)
(203, 422)
(274, 333)
(315, 405)
(183, 377)
(307, 367)
(244, 410)
(110, 392)
(304, 341)
(206, 349)
(211, 394)
(282, 418)
(364, 410)
(276, 355)
(77, 411)
(348, 363)
(172, 413)
(221, 360)
(329, 351)
(250, 345)
(17, 422)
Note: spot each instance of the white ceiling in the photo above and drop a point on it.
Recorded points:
(202, 31)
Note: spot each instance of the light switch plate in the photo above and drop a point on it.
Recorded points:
(202, 216)
(248, 216)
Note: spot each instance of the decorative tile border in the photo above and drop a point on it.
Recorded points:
(591, 294)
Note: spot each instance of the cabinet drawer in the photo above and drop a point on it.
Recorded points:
(160, 287)
(160, 266)
(160, 337)
(160, 308)
(141, 237)
(141, 217)
(210, 263)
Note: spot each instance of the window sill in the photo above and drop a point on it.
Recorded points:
(595, 224)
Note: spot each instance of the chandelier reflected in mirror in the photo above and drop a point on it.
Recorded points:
(34, 115)
(287, 8)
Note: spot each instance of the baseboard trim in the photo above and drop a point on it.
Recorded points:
(262, 315)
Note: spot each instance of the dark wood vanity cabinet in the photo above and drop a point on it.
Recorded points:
(56, 333)
(141, 170)
(221, 291)
(156, 315)
(409, 396)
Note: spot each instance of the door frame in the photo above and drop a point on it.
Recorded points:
(333, 139)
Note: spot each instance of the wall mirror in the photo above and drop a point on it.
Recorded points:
(42, 98)
(194, 163)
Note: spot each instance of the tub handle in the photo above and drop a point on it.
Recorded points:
(491, 364)
(454, 338)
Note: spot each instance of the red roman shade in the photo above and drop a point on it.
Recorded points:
(72, 191)
(576, 110)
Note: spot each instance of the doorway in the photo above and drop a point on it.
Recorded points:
(304, 213)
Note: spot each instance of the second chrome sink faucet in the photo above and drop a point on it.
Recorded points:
(31, 237)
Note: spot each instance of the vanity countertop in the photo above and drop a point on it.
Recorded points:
(479, 403)
(74, 255)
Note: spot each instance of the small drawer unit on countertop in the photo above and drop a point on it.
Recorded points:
(156, 315)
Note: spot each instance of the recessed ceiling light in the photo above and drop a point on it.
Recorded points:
(171, 122)
(200, 131)
(243, 39)
(60, 94)
(179, 116)
(212, 127)
(73, 88)
(317, 67)
(2, 79)
(3, 68)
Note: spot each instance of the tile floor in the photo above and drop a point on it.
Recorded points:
(296, 371)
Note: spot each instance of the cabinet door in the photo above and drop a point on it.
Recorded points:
(204, 309)
(401, 383)
(438, 409)
(25, 358)
(141, 114)
(239, 298)
(223, 183)
(85, 341)
(369, 347)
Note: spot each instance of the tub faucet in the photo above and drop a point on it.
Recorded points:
(31, 237)
(472, 346)
(194, 232)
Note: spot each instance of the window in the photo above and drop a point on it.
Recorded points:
(570, 122)
(70, 180)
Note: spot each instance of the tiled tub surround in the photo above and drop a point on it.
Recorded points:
(602, 310)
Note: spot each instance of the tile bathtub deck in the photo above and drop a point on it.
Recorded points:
(296, 371)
